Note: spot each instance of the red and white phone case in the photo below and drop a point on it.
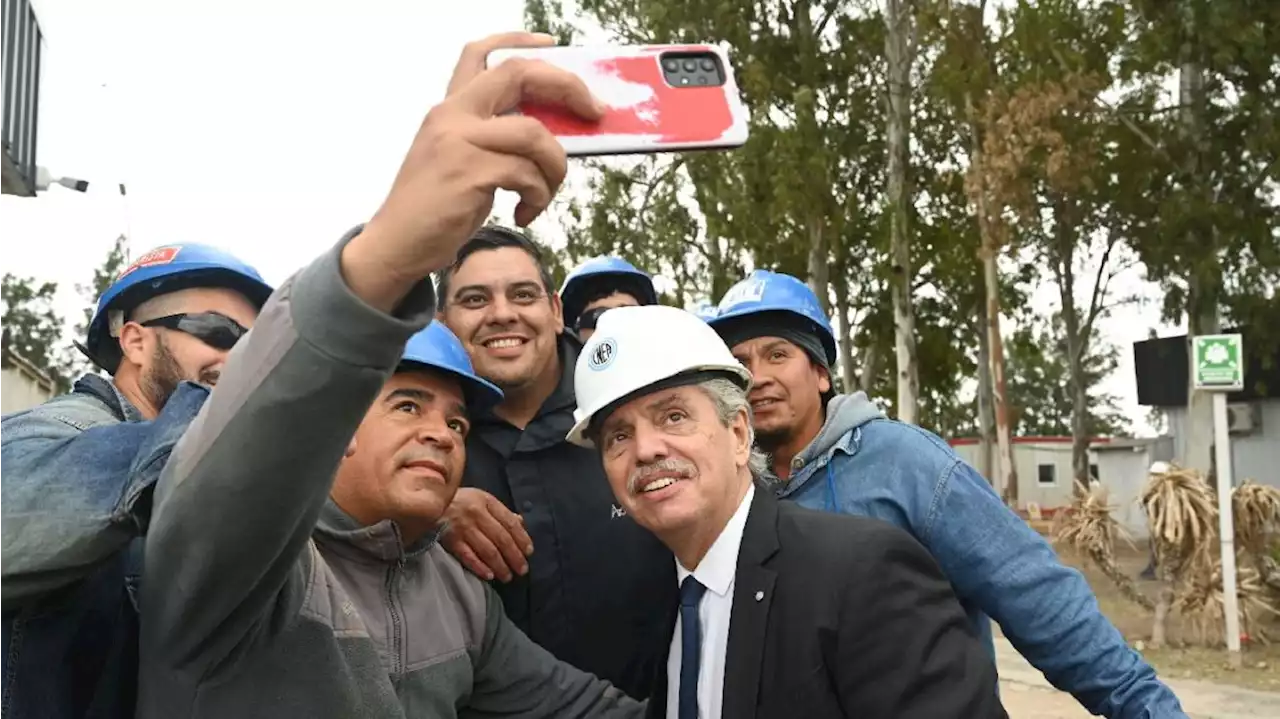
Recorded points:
(645, 113)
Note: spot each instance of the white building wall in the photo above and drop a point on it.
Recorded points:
(1048, 490)
(1253, 456)
(18, 391)
(1123, 471)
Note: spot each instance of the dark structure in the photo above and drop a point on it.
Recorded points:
(23, 46)
(1163, 370)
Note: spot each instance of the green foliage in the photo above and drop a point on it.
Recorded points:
(103, 276)
(1039, 384)
(32, 328)
(1057, 117)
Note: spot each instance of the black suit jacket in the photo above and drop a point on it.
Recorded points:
(840, 616)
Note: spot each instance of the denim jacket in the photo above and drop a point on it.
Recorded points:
(78, 473)
(862, 463)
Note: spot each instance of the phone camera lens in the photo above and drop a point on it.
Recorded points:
(707, 65)
(690, 65)
(671, 65)
(701, 80)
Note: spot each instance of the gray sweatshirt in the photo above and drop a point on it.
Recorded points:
(263, 599)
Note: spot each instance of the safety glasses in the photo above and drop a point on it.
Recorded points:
(587, 320)
(217, 331)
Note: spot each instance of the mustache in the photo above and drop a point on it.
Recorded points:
(680, 468)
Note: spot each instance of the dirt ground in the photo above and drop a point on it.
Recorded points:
(1260, 662)
(1207, 685)
(1026, 695)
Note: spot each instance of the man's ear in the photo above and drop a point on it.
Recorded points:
(351, 448)
(824, 380)
(134, 341)
(742, 437)
(557, 309)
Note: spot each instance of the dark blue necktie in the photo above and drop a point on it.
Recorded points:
(690, 646)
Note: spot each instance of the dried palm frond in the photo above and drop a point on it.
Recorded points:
(1257, 515)
(1200, 602)
(1088, 527)
(1270, 571)
(1182, 514)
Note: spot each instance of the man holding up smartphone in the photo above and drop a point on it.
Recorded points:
(260, 611)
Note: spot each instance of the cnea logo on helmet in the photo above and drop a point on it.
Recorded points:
(602, 354)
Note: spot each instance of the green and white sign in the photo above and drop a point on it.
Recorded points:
(1219, 362)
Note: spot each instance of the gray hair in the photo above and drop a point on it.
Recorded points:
(730, 399)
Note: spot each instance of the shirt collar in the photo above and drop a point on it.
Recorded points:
(717, 568)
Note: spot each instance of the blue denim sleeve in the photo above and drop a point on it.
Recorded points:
(1046, 609)
(76, 488)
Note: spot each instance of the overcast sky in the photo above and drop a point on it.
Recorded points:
(267, 127)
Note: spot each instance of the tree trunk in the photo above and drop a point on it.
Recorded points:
(1122, 580)
(848, 378)
(899, 50)
(1064, 245)
(1202, 301)
(819, 261)
(1005, 472)
(870, 365)
(1004, 435)
(986, 399)
(1167, 561)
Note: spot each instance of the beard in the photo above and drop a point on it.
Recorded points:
(164, 376)
(770, 440)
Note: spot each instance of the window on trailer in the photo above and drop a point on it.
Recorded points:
(1047, 474)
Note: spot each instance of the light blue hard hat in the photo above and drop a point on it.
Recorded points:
(764, 291)
(613, 272)
(437, 348)
(161, 271)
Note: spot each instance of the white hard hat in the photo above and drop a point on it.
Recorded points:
(1159, 468)
(635, 348)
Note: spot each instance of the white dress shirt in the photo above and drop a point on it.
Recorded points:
(715, 572)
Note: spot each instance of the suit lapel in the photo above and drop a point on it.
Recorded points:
(658, 696)
(749, 619)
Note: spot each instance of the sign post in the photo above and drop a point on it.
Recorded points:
(1218, 362)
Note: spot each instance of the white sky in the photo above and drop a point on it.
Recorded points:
(266, 127)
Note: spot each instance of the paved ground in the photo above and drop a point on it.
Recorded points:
(1027, 695)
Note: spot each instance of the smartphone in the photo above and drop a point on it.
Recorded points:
(659, 98)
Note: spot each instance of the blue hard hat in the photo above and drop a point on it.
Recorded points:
(613, 273)
(437, 348)
(161, 271)
(764, 291)
(706, 311)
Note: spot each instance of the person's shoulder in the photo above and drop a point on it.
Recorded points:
(832, 533)
(915, 441)
(73, 411)
(462, 592)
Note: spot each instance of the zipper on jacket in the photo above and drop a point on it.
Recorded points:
(397, 628)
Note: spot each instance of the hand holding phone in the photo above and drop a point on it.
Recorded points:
(658, 98)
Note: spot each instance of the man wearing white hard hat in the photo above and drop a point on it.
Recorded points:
(783, 611)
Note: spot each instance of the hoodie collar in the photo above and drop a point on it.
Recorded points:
(381, 541)
(105, 391)
(845, 413)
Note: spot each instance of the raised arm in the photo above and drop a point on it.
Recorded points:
(1046, 609)
(904, 646)
(76, 485)
(245, 485)
(516, 678)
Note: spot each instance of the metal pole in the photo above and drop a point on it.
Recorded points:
(1226, 526)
